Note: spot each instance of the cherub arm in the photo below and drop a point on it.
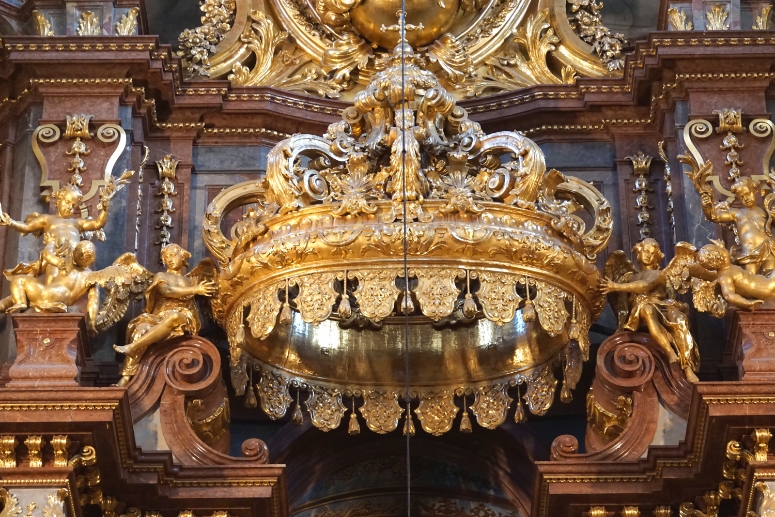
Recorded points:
(637, 286)
(718, 213)
(727, 285)
(90, 225)
(34, 223)
(204, 288)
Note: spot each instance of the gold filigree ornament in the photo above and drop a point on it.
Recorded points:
(500, 268)
(332, 48)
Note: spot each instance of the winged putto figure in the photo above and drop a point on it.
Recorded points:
(645, 297)
(123, 280)
(170, 307)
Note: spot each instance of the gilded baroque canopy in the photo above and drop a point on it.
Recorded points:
(333, 48)
(499, 284)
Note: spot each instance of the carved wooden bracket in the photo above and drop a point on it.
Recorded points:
(183, 375)
(631, 378)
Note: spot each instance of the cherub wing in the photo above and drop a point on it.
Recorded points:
(205, 271)
(124, 281)
(678, 271)
(706, 297)
(619, 269)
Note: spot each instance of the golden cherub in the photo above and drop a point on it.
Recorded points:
(651, 301)
(756, 251)
(170, 307)
(58, 231)
(737, 286)
(73, 282)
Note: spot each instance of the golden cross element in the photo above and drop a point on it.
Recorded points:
(401, 27)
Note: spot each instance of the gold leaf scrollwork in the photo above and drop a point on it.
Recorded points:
(11, 507)
(345, 55)
(763, 20)
(89, 24)
(491, 405)
(606, 424)
(436, 290)
(376, 292)
(437, 411)
(381, 411)
(586, 19)
(540, 390)
(498, 296)
(264, 309)
(550, 307)
(262, 39)
(766, 505)
(448, 55)
(677, 18)
(274, 395)
(316, 296)
(209, 428)
(41, 24)
(325, 408)
(717, 18)
(127, 26)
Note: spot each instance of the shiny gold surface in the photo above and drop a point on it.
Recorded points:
(646, 297)
(332, 48)
(498, 283)
(170, 307)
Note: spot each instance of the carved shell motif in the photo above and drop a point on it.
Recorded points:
(491, 405)
(376, 292)
(437, 411)
(273, 392)
(325, 408)
(381, 411)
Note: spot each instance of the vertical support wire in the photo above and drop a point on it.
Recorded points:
(407, 396)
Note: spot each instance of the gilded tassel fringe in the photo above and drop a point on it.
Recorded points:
(529, 312)
(250, 395)
(409, 426)
(519, 414)
(298, 416)
(407, 305)
(465, 422)
(285, 314)
(469, 306)
(354, 427)
(345, 310)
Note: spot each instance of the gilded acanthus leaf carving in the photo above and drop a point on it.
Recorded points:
(381, 411)
(498, 296)
(264, 308)
(376, 292)
(325, 408)
(436, 290)
(550, 307)
(491, 405)
(437, 411)
(274, 395)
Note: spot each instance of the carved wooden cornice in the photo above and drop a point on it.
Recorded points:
(720, 413)
(182, 372)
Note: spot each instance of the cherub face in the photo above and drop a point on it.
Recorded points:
(747, 196)
(648, 254)
(85, 254)
(174, 257)
(65, 206)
